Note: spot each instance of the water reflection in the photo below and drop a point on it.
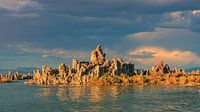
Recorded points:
(95, 94)
(98, 99)
(117, 98)
(93, 98)
(114, 92)
(45, 91)
(74, 93)
(61, 93)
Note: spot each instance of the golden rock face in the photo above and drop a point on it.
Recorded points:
(100, 71)
(97, 56)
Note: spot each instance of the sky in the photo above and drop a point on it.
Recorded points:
(36, 32)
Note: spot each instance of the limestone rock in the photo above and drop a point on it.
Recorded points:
(2, 78)
(84, 72)
(158, 67)
(36, 77)
(15, 77)
(97, 56)
(116, 66)
(128, 68)
(63, 69)
(98, 71)
(9, 76)
(43, 69)
(75, 64)
(166, 69)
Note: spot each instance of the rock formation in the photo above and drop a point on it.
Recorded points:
(97, 56)
(166, 69)
(62, 69)
(9, 76)
(158, 67)
(16, 75)
(2, 78)
(114, 71)
(83, 72)
(13, 77)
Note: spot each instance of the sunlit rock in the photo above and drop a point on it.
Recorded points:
(9, 76)
(63, 69)
(97, 56)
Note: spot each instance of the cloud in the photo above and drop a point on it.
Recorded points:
(151, 55)
(157, 33)
(161, 2)
(20, 15)
(58, 52)
(107, 19)
(184, 19)
(15, 5)
(170, 38)
(160, 32)
(74, 24)
(55, 52)
(142, 54)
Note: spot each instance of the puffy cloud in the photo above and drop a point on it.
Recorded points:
(163, 33)
(187, 19)
(176, 46)
(15, 5)
(170, 38)
(157, 33)
(67, 22)
(151, 55)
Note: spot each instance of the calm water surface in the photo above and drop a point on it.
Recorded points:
(17, 97)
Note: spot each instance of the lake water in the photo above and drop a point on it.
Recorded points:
(17, 97)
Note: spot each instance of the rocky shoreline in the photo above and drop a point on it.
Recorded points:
(100, 71)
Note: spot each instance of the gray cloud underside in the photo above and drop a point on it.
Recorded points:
(80, 25)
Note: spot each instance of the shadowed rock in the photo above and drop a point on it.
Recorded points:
(166, 69)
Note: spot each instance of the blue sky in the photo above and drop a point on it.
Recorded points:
(35, 32)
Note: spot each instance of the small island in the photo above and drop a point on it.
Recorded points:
(101, 71)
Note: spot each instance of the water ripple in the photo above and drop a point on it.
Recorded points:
(23, 98)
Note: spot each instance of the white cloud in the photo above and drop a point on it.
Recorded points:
(45, 56)
(157, 33)
(166, 42)
(163, 33)
(151, 55)
(186, 18)
(15, 5)
(19, 15)
(160, 2)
